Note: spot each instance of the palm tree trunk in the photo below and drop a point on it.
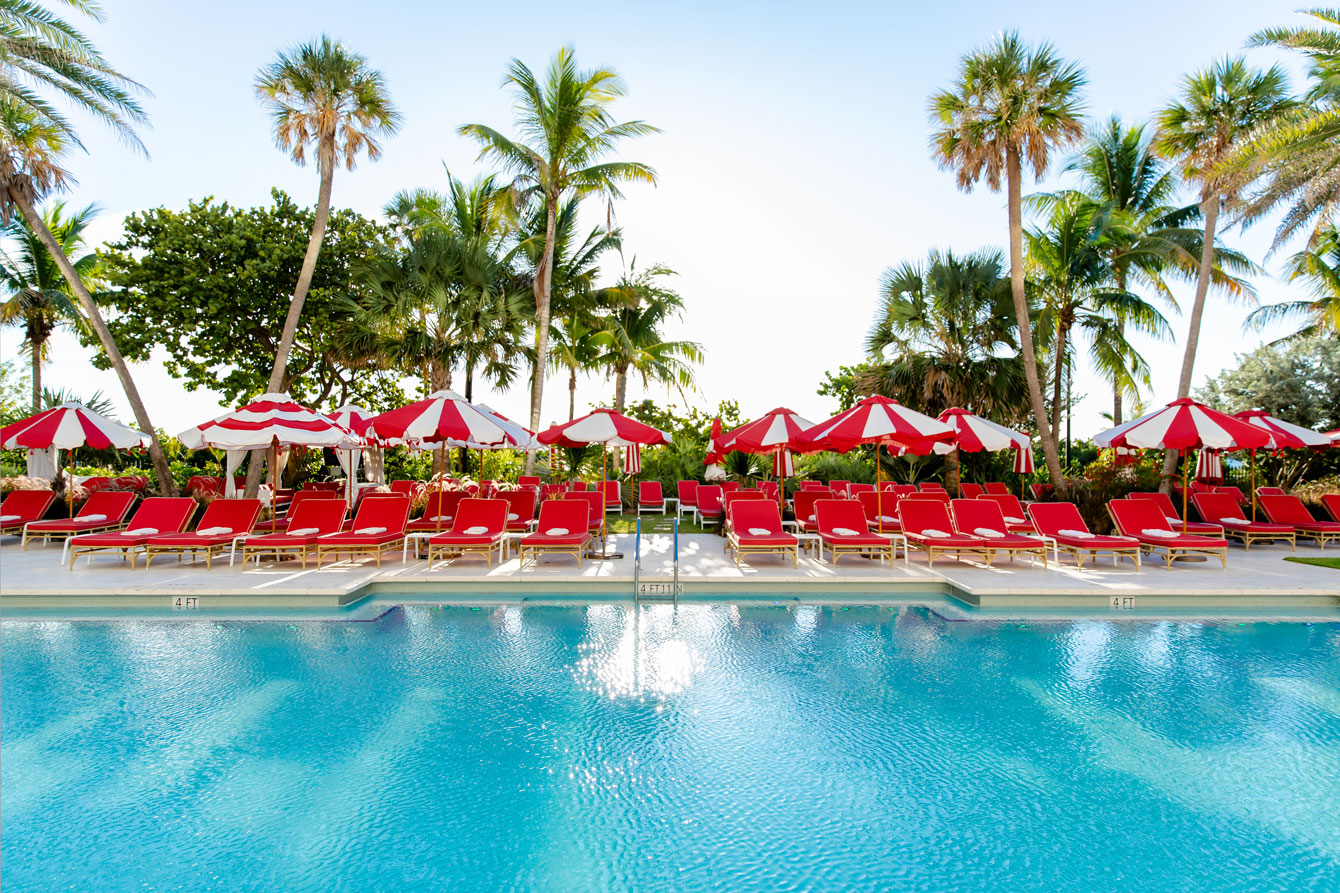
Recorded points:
(463, 453)
(544, 276)
(620, 388)
(166, 485)
(1118, 397)
(953, 471)
(572, 393)
(1015, 202)
(1210, 208)
(1061, 336)
(37, 376)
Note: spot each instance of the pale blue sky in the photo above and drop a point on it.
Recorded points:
(793, 160)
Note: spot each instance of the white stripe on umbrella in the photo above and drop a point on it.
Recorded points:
(632, 460)
(1209, 467)
(1023, 460)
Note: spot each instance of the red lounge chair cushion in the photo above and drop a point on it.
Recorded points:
(567, 539)
(68, 526)
(191, 539)
(283, 539)
(1098, 541)
(110, 539)
(465, 539)
(360, 539)
(951, 540)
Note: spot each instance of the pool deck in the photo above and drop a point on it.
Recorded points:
(1258, 583)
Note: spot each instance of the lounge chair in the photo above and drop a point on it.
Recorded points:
(1226, 510)
(983, 518)
(577, 486)
(441, 503)
(407, 488)
(1331, 502)
(308, 522)
(995, 488)
(686, 493)
(613, 497)
(479, 527)
(928, 527)
(709, 509)
(1231, 491)
(1144, 520)
(928, 486)
(379, 525)
(854, 489)
(325, 486)
(729, 499)
(968, 490)
(103, 510)
(1062, 523)
(281, 523)
(770, 489)
(1269, 491)
(23, 507)
(223, 521)
(528, 480)
(563, 530)
(1165, 504)
(839, 487)
(1013, 512)
(756, 528)
(814, 485)
(803, 506)
(843, 529)
(595, 515)
(881, 510)
(155, 515)
(730, 486)
(1041, 491)
(650, 499)
(1290, 510)
(520, 509)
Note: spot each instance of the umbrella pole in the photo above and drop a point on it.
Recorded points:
(1253, 452)
(1184, 494)
(69, 488)
(441, 464)
(879, 492)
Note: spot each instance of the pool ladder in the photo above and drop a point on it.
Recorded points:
(654, 591)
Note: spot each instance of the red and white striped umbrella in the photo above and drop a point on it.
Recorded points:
(67, 427)
(712, 460)
(1209, 467)
(775, 430)
(603, 426)
(519, 437)
(976, 434)
(632, 459)
(269, 420)
(1284, 435)
(783, 464)
(1023, 460)
(442, 417)
(1334, 436)
(880, 421)
(1184, 425)
(355, 418)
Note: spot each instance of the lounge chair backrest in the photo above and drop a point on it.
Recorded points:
(805, 500)
(115, 504)
(970, 514)
(1009, 504)
(28, 504)
(996, 487)
(238, 515)
(408, 488)
(727, 499)
(94, 484)
(1234, 492)
(1040, 491)
(475, 512)
(813, 485)
(709, 498)
(1269, 491)
(876, 504)
(1284, 509)
(1050, 518)
(572, 515)
(1214, 507)
(931, 485)
(649, 492)
(551, 491)
(855, 489)
(904, 489)
(925, 514)
(1331, 502)
(595, 504)
(1163, 501)
(688, 492)
(833, 513)
(611, 491)
(303, 496)
(166, 514)
(970, 491)
(1135, 515)
(519, 502)
(1202, 487)
(728, 486)
(577, 486)
(326, 515)
(389, 510)
(324, 486)
(528, 480)
(442, 502)
(771, 489)
(755, 513)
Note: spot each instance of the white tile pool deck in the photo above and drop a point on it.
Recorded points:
(1258, 581)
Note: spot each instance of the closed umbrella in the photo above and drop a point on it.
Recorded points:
(68, 427)
(1023, 464)
(1209, 466)
(714, 471)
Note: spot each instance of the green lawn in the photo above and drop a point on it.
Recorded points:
(627, 523)
(1318, 562)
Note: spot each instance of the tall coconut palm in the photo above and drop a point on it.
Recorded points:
(945, 335)
(574, 348)
(46, 63)
(1318, 267)
(325, 99)
(1301, 149)
(1219, 110)
(40, 300)
(1010, 104)
(632, 339)
(567, 132)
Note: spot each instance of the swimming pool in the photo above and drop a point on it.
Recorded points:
(708, 746)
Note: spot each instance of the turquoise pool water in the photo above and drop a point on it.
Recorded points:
(607, 748)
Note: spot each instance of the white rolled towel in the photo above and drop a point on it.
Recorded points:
(1234, 521)
(988, 532)
(476, 530)
(845, 531)
(1012, 520)
(556, 531)
(1154, 531)
(934, 534)
(5, 519)
(760, 531)
(888, 519)
(1076, 534)
(1171, 520)
(440, 518)
(214, 531)
(303, 531)
(91, 518)
(370, 531)
(513, 516)
(140, 531)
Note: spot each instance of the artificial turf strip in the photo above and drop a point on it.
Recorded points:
(1317, 562)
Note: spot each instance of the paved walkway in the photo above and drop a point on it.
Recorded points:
(1259, 579)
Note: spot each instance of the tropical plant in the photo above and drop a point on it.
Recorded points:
(1299, 151)
(1219, 109)
(1318, 267)
(40, 53)
(97, 401)
(1010, 104)
(326, 99)
(40, 301)
(631, 339)
(566, 132)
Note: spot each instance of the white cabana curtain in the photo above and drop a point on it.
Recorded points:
(349, 461)
(375, 459)
(42, 463)
(232, 463)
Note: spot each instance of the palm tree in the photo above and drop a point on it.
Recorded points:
(573, 348)
(1010, 103)
(631, 338)
(40, 299)
(1318, 265)
(566, 132)
(40, 52)
(1220, 108)
(321, 94)
(945, 335)
(1301, 148)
